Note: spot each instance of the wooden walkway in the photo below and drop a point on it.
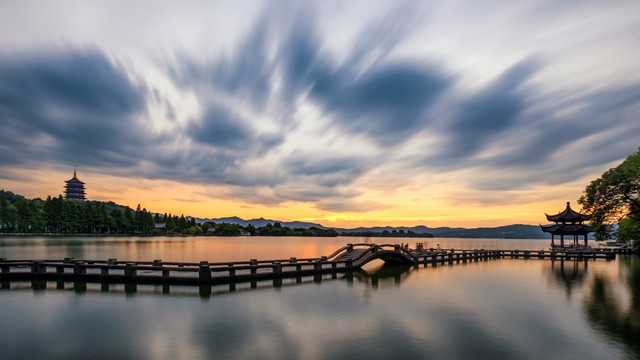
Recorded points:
(346, 259)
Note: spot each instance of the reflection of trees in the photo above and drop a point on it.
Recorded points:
(569, 273)
(607, 315)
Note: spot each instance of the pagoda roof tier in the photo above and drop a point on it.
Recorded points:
(568, 215)
(561, 229)
(74, 181)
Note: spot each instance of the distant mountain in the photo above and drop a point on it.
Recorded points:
(420, 229)
(508, 232)
(517, 231)
(262, 222)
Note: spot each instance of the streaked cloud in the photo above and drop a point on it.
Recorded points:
(297, 104)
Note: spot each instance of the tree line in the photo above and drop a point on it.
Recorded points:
(63, 216)
(57, 215)
(386, 233)
(275, 229)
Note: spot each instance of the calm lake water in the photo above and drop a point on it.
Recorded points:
(495, 309)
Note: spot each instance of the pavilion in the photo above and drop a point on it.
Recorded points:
(567, 222)
(74, 188)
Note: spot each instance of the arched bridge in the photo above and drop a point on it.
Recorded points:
(360, 254)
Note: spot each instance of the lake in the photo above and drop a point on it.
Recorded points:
(494, 309)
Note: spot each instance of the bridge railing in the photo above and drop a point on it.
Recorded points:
(348, 247)
(158, 269)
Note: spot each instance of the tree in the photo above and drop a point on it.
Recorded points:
(118, 219)
(629, 227)
(612, 197)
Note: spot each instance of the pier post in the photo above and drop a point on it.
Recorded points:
(253, 263)
(112, 261)
(277, 267)
(79, 269)
(36, 267)
(317, 265)
(157, 262)
(104, 270)
(205, 270)
(293, 260)
(349, 264)
(526, 254)
(130, 270)
(68, 260)
(232, 271)
(60, 269)
(349, 247)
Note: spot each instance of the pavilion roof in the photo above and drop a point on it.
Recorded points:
(568, 215)
(560, 229)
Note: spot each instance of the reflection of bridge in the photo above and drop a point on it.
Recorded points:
(346, 259)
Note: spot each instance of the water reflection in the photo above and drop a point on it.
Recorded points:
(569, 273)
(382, 276)
(611, 314)
(502, 309)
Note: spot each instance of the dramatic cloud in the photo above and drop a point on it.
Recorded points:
(72, 107)
(325, 104)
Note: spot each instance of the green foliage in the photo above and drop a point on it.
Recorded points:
(62, 216)
(610, 198)
(629, 227)
(58, 215)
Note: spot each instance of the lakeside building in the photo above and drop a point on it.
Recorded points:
(568, 222)
(74, 188)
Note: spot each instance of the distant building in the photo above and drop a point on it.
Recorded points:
(74, 188)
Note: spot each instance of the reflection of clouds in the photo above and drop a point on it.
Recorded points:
(492, 309)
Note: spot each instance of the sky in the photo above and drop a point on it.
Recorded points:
(359, 113)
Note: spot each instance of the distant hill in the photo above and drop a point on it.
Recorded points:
(420, 229)
(261, 222)
(507, 232)
(517, 231)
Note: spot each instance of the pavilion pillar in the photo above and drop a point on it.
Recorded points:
(562, 241)
(552, 243)
(585, 240)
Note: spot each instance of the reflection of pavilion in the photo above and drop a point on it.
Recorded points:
(569, 273)
(567, 222)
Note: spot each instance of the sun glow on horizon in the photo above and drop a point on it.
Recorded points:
(163, 196)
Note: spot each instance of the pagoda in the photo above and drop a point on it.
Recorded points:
(567, 222)
(74, 188)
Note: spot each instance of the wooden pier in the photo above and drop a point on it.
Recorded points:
(346, 259)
